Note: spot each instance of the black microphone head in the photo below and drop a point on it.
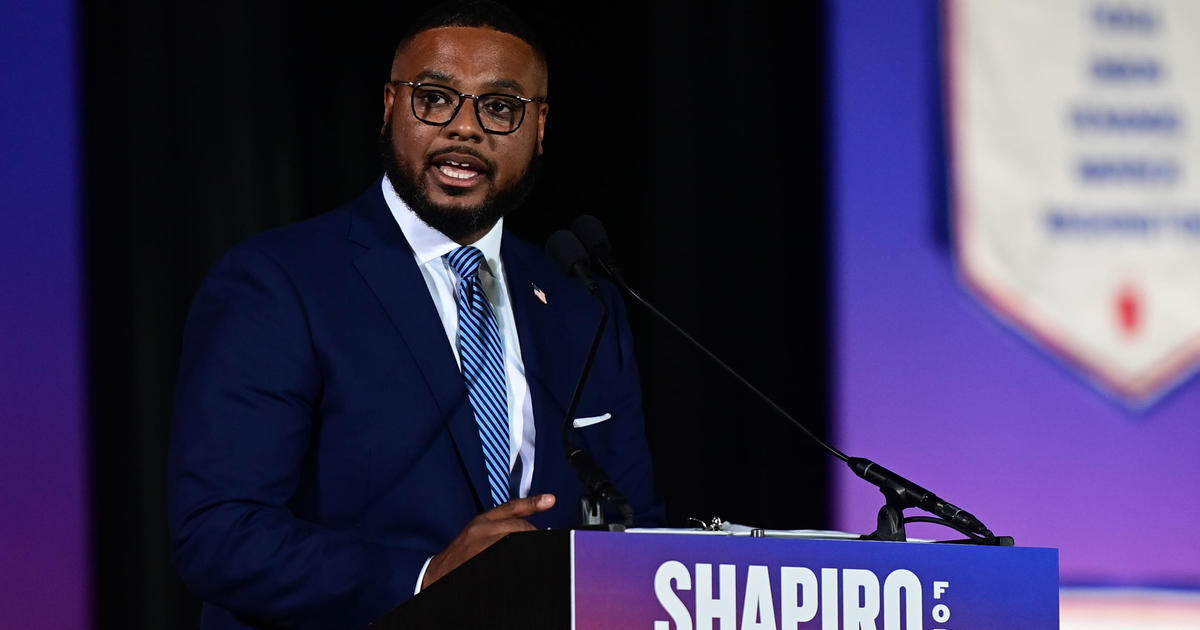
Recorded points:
(566, 250)
(592, 234)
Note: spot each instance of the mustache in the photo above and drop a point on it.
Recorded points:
(462, 149)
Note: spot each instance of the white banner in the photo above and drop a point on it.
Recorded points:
(1076, 176)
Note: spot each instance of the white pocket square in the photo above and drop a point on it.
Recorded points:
(579, 423)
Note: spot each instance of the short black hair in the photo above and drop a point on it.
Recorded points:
(478, 14)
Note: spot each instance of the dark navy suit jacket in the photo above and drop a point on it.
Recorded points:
(323, 446)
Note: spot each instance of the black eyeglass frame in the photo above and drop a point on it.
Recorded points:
(462, 96)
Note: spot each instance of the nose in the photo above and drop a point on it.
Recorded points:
(465, 124)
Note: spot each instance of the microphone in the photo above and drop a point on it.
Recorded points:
(899, 492)
(594, 238)
(569, 253)
(912, 495)
(566, 250)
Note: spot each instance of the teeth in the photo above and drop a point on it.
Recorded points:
(456, 173)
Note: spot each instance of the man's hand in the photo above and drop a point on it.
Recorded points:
(482, 531)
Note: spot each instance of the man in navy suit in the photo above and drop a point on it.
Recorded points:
(327, 460)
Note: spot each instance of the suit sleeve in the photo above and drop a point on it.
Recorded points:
(248, 391)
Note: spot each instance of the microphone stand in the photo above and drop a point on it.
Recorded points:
(566, 249)
(591, 512)
(899, 493)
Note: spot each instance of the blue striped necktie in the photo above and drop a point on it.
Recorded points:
(482, 357)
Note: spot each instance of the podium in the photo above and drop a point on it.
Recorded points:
(586, 580)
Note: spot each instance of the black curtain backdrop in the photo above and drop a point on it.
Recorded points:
(694, 131)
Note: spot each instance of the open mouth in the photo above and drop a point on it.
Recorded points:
(459, 170)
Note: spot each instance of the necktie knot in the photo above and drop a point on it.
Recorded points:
(466, 262)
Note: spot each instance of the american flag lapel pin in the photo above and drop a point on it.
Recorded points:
(538, 293)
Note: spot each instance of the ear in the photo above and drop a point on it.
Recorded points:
(543, 110)
(389, 100)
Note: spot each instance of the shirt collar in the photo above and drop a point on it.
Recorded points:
(429, 244)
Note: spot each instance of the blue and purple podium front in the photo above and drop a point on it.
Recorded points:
(587, 580)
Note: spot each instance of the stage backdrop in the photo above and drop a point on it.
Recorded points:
(1061, 444)
(43, 503)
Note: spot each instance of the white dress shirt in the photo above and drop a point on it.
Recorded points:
(429, 248)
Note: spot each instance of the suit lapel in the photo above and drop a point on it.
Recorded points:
(550, 365)
(388, 267)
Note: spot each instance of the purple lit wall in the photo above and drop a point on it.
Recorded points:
(930, 384)
(43, 503)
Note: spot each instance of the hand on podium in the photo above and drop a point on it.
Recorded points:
(482, 531)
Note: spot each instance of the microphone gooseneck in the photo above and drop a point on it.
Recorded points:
(592, 234)
(899, 492)
(566, 250)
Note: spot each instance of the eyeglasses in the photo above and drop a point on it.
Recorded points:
(497, 113)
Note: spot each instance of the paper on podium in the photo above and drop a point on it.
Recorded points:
(725, 528)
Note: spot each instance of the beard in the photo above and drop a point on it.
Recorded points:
(455, 222)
